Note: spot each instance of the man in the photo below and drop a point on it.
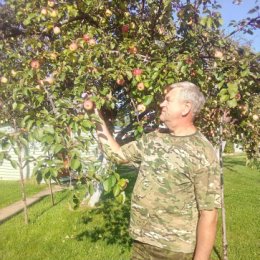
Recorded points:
(177, 191)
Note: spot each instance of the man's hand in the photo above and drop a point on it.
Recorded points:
(111, 148)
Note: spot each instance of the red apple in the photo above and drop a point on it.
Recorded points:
(137, 72)
(133, 50)
(125, 28)
(86, 38)
(73, 46)
(88, 104)
(120, 82)
(35, 64)
(238, 96)
(140, 86)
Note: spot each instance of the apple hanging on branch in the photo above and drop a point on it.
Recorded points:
(137, 72)
(140, 86)
(120, 81)
(35, 64)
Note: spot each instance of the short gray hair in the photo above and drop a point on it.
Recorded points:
(190, 92)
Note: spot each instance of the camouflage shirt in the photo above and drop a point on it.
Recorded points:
(178, 176)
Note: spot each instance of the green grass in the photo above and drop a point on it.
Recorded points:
(10, 191)
(101, 234)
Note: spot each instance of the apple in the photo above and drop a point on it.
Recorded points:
(126, 14)
(4, 80)
(86, 38)
(137, 72)
(92, 70)
(88, 105)
(53, 13)
(120, 82)
(132, 25)
(53, 56)
(51, 3)
(193, 73)
(141, 108)
(190, 22)
(218, 54)
(108, 13)
(255, 117)
(133, 50)
(92, 42)
(238, 96)
(56, 30)
(13, 72)
(44, 11)
(125, 28)
(140, 86)
(35, 64)
(189, 61)
(73, 46)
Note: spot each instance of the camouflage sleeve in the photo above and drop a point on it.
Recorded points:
(208, 187)
(133, 151)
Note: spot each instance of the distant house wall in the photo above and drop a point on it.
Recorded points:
(7, 172)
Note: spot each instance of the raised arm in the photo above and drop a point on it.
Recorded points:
(109, 144)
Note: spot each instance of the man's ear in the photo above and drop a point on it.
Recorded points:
(186, 108)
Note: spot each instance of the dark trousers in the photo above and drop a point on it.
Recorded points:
(141, 251)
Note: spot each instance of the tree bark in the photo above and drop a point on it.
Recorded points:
(224, 229)
(51, 192)
(20, 163)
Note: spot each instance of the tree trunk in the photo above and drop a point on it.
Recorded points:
(224, 230)
(51, 192)
(20, 163)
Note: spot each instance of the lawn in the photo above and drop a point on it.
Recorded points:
(101, 233)
(10, 191)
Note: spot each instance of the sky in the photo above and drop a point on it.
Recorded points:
(230, 12)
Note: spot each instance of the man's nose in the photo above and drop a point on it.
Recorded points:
(163, 103)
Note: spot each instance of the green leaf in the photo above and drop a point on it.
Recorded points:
(148, 99)
(121, 198)
(14, 164)
(58, 148)
(116, 190)
(109, 183)
(75, 163)
(232, 103)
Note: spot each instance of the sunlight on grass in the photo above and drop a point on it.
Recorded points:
(10, 191)
(102, 233)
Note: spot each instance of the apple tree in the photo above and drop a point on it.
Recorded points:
(123, 54)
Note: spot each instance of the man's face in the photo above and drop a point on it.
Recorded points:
(172, 107)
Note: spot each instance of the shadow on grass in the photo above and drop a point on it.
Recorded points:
(115, 216)
(50, 207)
(217, 253)
(230, 162)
